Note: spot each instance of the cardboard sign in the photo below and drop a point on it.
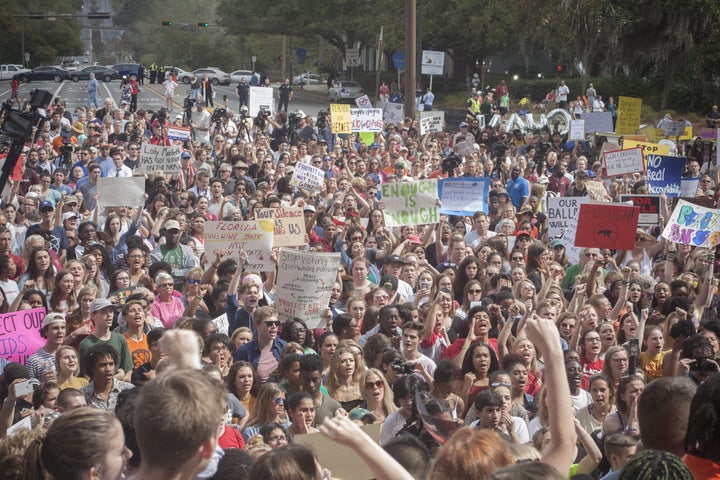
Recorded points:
(664, 174)
(20, 334)
(577, 129)
(607, 226)
(179, 133)
(629, 111)
(624, 162)
(121, 191)
(254, 237)
(366, 119)
(647, 147)
(261, 98)
(157, 158)
(363, 102)
(562, 212)
(596, 191)
(693, 225)
(411, 203)
(649, 206)
(689, 187)
(289, 225)
(393, 113)
(432, 122)
(307, 177)
(340, 118)
(597, 122)
(305, 282)
(463, 196)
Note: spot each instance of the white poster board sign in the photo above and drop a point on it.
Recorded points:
(393, 113)
(563, 212)
(121, 191)
(411, 203)
(432, 122)
(289, 225)
(433, 63)
(260, 98)
(157, 158)
(307, 177)
(577, 130)
(255, 237)
(363, 102)
(624, 162)
(366, 119)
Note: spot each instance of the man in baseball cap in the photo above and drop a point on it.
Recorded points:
(181, 257)
(41, 364)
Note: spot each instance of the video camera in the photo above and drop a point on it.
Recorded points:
(218, 114)
(450, 163)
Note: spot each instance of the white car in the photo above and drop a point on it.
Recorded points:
(306, 79)
(216, 76)
(345, 90)
(238, 75)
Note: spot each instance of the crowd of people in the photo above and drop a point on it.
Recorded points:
(478, 346)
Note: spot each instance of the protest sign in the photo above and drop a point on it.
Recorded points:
(693, 225)
(689, 187)
(261, 98)
(628, 120)
(305, 282)
(623, 162)
(157, 158)
(568, 239)
(363, 102)
(432, 122)
(393, 113)
(121, 191)
(366, 119)
(607, 226)
(289, 225)
(255, 237)
(649, 206)
(648, 148)
(709, 134)
(664, 174)
(596, 191)
(463, 196)
(178, 133)
(562, 212)
(577, 129)
(20, 334)
(307, 177)
(432, 62)
(597, 122)
(340, 118)
(410, 203)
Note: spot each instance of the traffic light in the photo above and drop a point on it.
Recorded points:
(167, 23)
(203, 24)
(99, 15)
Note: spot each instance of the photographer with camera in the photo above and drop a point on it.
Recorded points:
(304, 130)
(222, 124)
(200, 123)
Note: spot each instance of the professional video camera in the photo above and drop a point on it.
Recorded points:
(322, 120)
(540, 155)
(218, 114)
(261, 120)
(450, 163)
(66, 151)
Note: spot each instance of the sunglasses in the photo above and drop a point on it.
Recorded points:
(279, 400)
(193, 281)
(375, 384)
(272, 323)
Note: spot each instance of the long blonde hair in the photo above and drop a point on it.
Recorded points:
(388, 403)
(264, 410)
(334, 380)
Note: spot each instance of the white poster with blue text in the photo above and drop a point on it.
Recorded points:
(463, 196)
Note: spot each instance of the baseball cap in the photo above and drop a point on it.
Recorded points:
(362, 414)
(70, 199)
(185, 155)
(463, 124)
(556, 242)
(47, 204)
(172, 225)
(178, 117)
(53, 317)
(309, 208)
(389, 282)
(394, 258)
(100, 304)
(374, 145)
(69, 215)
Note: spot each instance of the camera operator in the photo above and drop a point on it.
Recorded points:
(222, 124)
(279, 129)
(244, 124)
(200, 123)
(261, 122)
(304, 131)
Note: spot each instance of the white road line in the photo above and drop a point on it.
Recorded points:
(57, 91)
(109, 95)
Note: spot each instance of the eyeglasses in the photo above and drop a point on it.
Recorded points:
(528, 287)
(519, 259)
(193, 281)
(272, 323)
(135, 257)
(381, 297)
(279, 400)
(620, 360)
(297, 331)
(219, 348)
(474, 290)
(375, 384)
(165, 285)
(593, 339)
(500, 384)
(592, 255)
(134, 148)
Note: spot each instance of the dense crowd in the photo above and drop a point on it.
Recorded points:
(468, 340)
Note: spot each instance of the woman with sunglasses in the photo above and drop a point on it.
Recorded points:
(377, 394)
(269, 407)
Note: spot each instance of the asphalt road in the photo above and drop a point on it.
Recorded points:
(151, 96)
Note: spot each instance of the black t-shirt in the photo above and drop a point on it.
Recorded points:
(285, 91)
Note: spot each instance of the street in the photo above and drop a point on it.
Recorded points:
(151, 96)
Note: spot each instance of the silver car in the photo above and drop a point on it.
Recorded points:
(238, 75)
(345, 90)
(216, 76)
(306, 79)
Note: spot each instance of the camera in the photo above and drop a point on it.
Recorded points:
(402, 368)
(189, 103)
(218, 114)
(450, 163)
(702, 364)
(322, 120)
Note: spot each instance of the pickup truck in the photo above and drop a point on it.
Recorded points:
(8, 70)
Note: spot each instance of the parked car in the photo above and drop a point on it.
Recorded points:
(238, 75)
(216, 76)
(127, 69)
(307, 78)
(9, 70)
(106, 74)
(345, 90)
(178, 71)
(39, 74)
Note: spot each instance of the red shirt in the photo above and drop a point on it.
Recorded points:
(590, 369)
(231, 438)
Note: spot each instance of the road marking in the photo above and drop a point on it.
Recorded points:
(109, 95)
(162, 97)
(62, 84)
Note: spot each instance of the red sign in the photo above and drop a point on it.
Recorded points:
(607, 226)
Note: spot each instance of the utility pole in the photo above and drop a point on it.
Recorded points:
(378, 65)
(410, 57)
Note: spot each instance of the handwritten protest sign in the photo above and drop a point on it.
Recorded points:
(20, 334)
(596, 191)
(664, 174)
(366, 119)
(647, 147)
(607, 226)
(568, 240)
(629, 111)
(393, 112)
(307, 177)
(577, 129)
(157, 158)
(340, 118)
(463, 196)
(432, 122)
(305, 282)
(363, 102)
(289, 225)
(261, 98)
(254, 237)
(410, 203)
(178, 133)
(693, 225)
(689, 187)
(649, 206)
(623, 162)
(597, 122)
(709, 134)
(121, 191)
(562, 212)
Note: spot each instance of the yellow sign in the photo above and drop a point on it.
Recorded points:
(647, 147)
(340, 118)
(655, 134)
(629, 110)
